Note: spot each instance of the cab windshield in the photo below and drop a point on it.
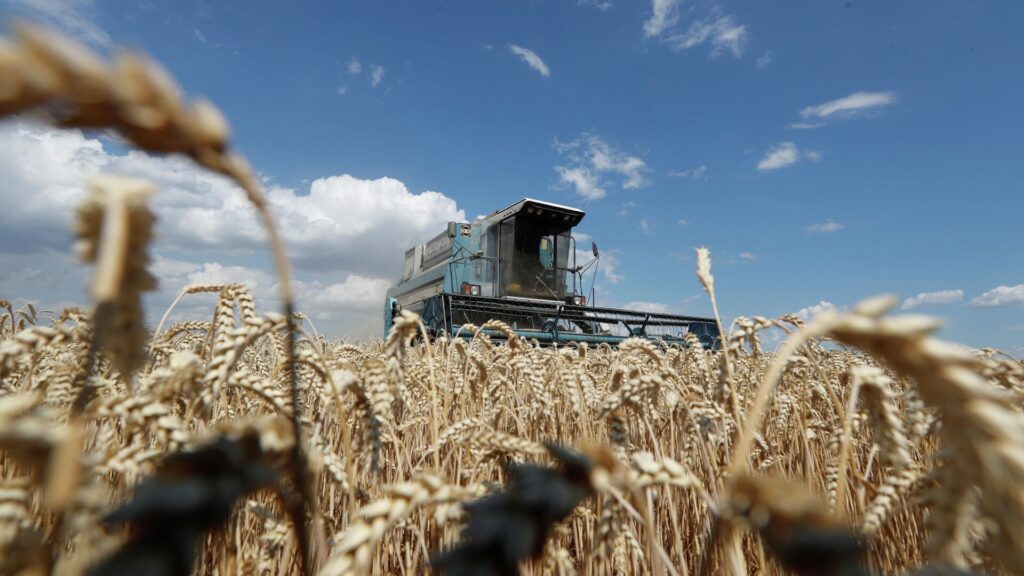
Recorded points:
(534, 254)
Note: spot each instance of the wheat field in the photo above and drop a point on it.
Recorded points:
(246, 443)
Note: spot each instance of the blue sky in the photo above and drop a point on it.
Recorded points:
(825, 151)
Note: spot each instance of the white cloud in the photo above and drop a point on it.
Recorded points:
(785, 154)
(609, 266)
(747, 256)
(765, 59)
(354, 303)
(590, 157)
(376, 75)
(722, 32)
(602, 5)
(663, 17)
(653, 307)
(42, 171)
(261, 282)
(724, 35)
(343, 230)
(75, 17)
(354, 66)
(804, 125)
(683, 222)
(342, 90)
(604, 159)
(810, 312)
(355, 293)
(938, 298)
(531, 58)
(696, 173)
(854, 104)
(583, 180)
(645, 226)
(826, 227)
(348, 220)
(1000, 296)
(779, 156)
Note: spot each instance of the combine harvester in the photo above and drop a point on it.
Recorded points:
(518, 265)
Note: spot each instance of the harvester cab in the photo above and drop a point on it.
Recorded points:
(521, 265)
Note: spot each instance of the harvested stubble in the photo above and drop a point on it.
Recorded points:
(734, 461)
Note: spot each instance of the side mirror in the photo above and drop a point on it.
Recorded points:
(593, 248)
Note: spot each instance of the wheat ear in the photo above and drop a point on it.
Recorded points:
(141, 101)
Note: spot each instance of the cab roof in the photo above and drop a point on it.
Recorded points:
(540, 208)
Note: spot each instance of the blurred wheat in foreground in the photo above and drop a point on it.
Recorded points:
(239, 444)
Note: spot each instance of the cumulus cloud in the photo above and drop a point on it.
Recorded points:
(348, 221)
(779, 156)
(589, 158)
(354, 302)
(938, 298)
(848, 106)
(354, 293)
(531, 58)
(376, 75)
(584, 180)
(609, 266)
(343, 231)
(809, 312)
(42, 171)
(338, 223)
(826, 227)
(785, 154)
(663, 16)
(75, 17)
(1000, 296)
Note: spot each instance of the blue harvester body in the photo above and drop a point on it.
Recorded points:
(519, 265)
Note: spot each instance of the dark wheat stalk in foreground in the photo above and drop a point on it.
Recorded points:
(142, 102)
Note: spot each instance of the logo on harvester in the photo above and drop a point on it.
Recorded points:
(466, 230)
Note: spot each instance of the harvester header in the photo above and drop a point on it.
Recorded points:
(520, 265)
